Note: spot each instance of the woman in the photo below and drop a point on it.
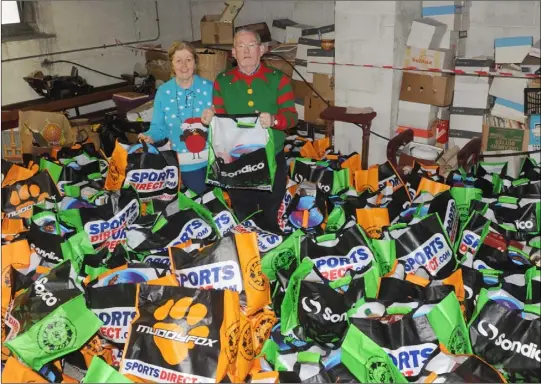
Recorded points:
(178, 106)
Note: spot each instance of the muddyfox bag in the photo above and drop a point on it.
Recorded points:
(19, 197)
(241, 155)
(153, 171)
(182, 334)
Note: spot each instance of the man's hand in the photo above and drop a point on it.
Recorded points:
(145, 138)
(207, 115)
(266, 120)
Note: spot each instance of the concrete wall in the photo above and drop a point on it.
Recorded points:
(492, 19)
(371, 32)
(80, 24)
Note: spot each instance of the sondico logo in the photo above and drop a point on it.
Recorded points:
(44, 254)
(524, 224)
(41, 291)
(327, 312)
(245, 169)
(491, 332)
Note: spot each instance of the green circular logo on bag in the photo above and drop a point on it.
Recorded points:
(379, 370)
(56, 334)
(283, 259)
(457, 343)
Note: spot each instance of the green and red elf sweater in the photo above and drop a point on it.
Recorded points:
(266, 90)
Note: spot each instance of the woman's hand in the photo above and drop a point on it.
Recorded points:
(207, 115)
(145, 138)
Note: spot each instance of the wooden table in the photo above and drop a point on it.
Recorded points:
(10, 113)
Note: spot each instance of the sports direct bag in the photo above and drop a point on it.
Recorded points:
(241, 154)
(182, 335)
(425, 245)
(152, 171)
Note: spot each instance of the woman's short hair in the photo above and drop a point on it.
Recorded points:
(179, 46)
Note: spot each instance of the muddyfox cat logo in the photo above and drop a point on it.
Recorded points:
(246, 169)
(492, 333)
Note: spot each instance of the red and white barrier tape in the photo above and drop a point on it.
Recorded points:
(437, 70)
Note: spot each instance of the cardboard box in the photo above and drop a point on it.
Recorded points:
(313, 106)
(534, 142)
(498, 135)
(428, 58)
(511, 89)
(451, 15)
(324, 84)
(426, 89)
(322, 56)
(416, 115)
(465, 124)
(295, 32)
(304, 45)
(278, 29)
(301, 66)
(288, 52)
(423, 136)
(507, 109)
(530, 64)
(299, 106)
(301, 89)
(512, 50)
(472, 65)
(426, 33)
(219, 29)
(321, 33)
(471, 95)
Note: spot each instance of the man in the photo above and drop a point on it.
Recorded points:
(253, 88)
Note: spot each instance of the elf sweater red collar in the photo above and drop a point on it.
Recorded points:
(259, 74)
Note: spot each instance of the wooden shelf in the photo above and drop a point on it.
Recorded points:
(10, 113)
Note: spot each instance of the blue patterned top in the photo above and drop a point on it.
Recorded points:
(177, 116)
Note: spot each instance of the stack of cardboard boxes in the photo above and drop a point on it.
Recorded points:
(507, 127)
(308, 40)
(470, 100)
(425, 96)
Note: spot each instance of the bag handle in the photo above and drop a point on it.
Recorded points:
(237, 116)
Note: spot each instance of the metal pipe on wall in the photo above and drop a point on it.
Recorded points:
(104, 46)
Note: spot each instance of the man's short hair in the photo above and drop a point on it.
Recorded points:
(247, 30)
